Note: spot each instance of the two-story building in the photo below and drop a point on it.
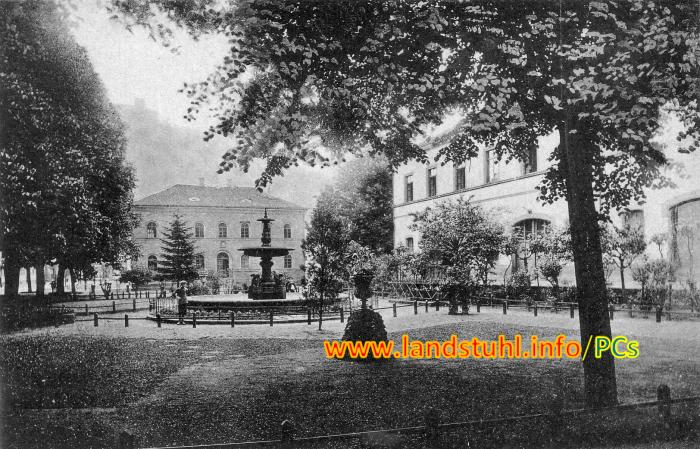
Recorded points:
(223, 220)
(508, 190)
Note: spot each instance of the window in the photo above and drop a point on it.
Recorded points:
(199, 230)
(222, 265)
(492, 166)
(152, 263)
(199, 261)
(245, 262)
(245, 230)
(684, 241)
(460, 178)
(634, 219)
(151, 230)
(525, 258)
(223, 231)
(432, 181)
(409, 244)
(287, 261)
(408, 194)
(530, 166)
(287, 231)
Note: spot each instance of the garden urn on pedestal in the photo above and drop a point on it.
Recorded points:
(363, 287)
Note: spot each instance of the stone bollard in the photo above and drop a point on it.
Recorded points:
(426, 307)
(96, 319)
(114, 307)
(415, 307)
(658, 314)
(571, 310)
(158, 319)
(394, 310)
(663, 395)
(534, 309)
(342, 315)
(271, 317)
(556, 422)
(194, 319)
(478, 307)
(505, 307)
(133, 305)
(432, 424)
(86, 310)
(126, 440)
(437, 306)
(320, 319)
(233, 319)
(126, 320)
(308, 317)
(287, 431)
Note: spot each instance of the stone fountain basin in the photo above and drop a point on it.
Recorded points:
(241, 300)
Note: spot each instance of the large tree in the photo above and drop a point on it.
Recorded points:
(302, 77)
(65, 185)
(362, 197)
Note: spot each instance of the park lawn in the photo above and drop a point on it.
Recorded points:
(216, 390)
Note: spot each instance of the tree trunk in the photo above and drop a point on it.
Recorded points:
(623, 292)
(28, 271)
(577, 169)
(60, 280)
(11, 274)
(40, 279)
(72, 280)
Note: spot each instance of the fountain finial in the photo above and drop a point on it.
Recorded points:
(266, 212)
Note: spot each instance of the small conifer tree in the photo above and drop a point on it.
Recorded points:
(177, 259)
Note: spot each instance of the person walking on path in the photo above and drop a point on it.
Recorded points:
(181, 294)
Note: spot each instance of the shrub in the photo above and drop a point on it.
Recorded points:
(518, 284)
(365, 325)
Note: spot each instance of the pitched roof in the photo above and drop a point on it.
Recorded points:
(191, 195)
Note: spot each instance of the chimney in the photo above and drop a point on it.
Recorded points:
(201, 182)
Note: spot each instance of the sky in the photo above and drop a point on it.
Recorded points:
(133, 68)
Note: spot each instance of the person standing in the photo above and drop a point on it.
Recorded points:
(181, 294)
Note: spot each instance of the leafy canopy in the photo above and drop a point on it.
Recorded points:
(302, 78)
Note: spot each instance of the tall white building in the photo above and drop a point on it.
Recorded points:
(509, 191)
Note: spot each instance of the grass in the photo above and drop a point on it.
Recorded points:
(217, 390)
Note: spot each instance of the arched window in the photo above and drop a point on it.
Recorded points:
(151, 230)
(526, 230)
(245, 262)
(199, 261)
(245, 230)
(152, 263)
(287, 261)
(199, 230)
(222, 266)
(287, 231)
(223, 231)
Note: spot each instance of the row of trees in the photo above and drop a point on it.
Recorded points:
(601, 74)
(66, 188)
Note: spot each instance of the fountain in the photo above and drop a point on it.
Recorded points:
(266, 286)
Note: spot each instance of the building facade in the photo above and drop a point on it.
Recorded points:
(508, 190)
(223, 220)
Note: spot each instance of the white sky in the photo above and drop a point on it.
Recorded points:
(134, 66)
